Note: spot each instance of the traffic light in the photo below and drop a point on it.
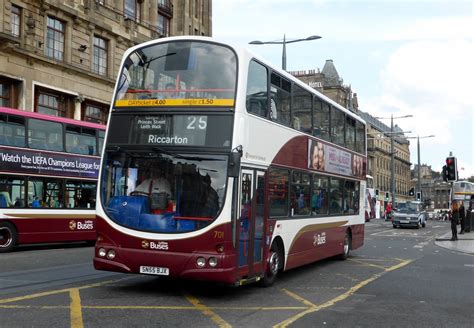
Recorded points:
(418, 195)
(376, 193)
(387, 196)
(412, 192)
(451, 169)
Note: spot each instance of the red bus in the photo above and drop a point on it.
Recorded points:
(48, 178)
(220, 167)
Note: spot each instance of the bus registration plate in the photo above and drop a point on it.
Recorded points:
(154, 270)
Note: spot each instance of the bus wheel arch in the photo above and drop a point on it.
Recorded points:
(274, 263)
(347, 246)
(8, 236)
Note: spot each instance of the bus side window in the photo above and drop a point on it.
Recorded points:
(257, 89)
(281, 96)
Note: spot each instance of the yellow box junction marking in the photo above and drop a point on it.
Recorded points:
(207, 311)
(76, 309)
(351, 291)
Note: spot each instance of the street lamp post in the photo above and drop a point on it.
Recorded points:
(284, 42)
(392, 154)
(418, 183)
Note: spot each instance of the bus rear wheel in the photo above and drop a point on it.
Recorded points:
(272, 267)
(8, 237)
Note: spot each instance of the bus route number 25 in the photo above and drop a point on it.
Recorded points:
(197, 122)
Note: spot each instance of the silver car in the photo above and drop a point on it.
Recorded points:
(409, 214)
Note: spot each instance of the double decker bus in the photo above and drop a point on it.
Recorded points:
(48, 178)
(219, 166)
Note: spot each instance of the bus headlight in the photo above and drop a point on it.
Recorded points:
(201, 262)
(102, 252)
(111, 254)
(212, 262)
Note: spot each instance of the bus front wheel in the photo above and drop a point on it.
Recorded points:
(272, 267)
(8, 237)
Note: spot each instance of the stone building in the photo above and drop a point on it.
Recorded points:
(379, 158)
(436, 193)
(328, 82)
(62, 57)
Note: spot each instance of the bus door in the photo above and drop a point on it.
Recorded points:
(251, 222)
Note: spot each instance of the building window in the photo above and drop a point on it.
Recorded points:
(130, 9)
(163, 25)
(99, 60)
(48, 104)
(95, 113)
(5, 94)
(16, 21)
(196, 8)
(8, 92)
(54, 103)
(55, 39)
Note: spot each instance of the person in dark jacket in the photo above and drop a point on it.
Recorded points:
(462, 217)
(454, 220)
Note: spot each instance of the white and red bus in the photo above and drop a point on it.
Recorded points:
(220, 167)
(463, 191)
(48, 178)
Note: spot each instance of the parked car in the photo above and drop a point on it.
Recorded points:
(410, 214)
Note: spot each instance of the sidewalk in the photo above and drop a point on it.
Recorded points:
(464, 244)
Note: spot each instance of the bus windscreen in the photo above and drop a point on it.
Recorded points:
(185, 73)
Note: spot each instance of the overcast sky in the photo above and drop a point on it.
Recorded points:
(400, 57)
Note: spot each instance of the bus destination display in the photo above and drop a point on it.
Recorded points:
(183, 130)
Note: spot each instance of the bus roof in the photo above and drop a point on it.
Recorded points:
(20, 112)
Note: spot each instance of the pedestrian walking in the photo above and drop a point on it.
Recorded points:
(454, 220)
(462, 217)
(388, 212)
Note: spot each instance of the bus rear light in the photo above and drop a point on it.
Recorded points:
(111, 254)
(220, 248)
(201, 262)
(212, 262)
(102, 252)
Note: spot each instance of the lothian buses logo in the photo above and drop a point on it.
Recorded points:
(72, 225)
(319, 239)
(159, 245)
(84, 225)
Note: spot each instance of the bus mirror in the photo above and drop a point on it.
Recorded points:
(234, 164)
